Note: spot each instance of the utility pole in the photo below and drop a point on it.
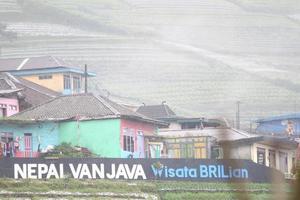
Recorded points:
(238, 115)
(85, 79)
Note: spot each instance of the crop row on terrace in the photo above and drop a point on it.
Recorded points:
(143, 189)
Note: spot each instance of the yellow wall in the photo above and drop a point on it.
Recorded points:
(56, 83)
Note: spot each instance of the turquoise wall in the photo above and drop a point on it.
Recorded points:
(102, 137)
(43, 133)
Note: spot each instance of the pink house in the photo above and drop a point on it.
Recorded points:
(9, 103)
(133, 133)
(8, 107)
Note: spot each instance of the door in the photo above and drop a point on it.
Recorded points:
(27, 145)
(283, 162)
(7, 144)
(272, 158)
(3, 112)
(141, 144)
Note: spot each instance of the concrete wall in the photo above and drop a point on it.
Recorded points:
(44, 134)
(173, 126)
(56, 83)
(241, 152)
(10, 102)
(102, 137)
(290, 153)
(134, 127)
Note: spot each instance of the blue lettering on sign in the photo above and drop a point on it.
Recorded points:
(219, 171)
(157, 171)
(205, 171)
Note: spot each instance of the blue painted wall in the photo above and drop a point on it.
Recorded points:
(277, 127)
(43, 133)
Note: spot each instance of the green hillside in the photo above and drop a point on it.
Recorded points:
(199, 56)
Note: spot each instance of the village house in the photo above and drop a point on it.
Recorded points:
(215, 139)
(104, 127)
(27, 93)
(47, 71)
(194, 147)
(17, 94)
(283, 125)
(9, 97)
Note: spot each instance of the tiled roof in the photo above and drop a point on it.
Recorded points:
(6, 85)
(81, 106)
(30, 94)
(162, 111)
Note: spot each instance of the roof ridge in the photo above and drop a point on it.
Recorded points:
(241, 132)
(165, 107)
(8, 81)
(105, 103)
(25, 60)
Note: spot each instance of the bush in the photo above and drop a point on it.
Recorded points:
(66, 150)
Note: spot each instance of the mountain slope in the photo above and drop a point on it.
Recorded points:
(199, 56)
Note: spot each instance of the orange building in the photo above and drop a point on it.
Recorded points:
(48, 71)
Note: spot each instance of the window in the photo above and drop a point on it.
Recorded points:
(67, 82)
(3, 105)
(128, 143)
(261, 156)
(216, 152)
(76, 84)
(13, 107)
(128, 140)
(43, 77)
(187, 148)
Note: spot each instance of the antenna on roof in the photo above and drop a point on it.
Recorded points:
(85, 79)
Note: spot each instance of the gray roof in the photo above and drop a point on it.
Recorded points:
(34, 94)
(29, 93)
(221, 134)
(162, 111)
(12, 64)
(6, 85)
(80, 106)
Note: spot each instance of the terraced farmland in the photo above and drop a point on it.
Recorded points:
(199, 56)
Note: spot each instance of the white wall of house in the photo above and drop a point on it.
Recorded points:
(290, 155)
(173, 126)
(240, 152)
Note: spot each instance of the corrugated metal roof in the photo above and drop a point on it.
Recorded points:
(221, 134)
(41, 62)
(31, 64)
(280, 117)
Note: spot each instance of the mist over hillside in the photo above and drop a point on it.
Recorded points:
(200, 56)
